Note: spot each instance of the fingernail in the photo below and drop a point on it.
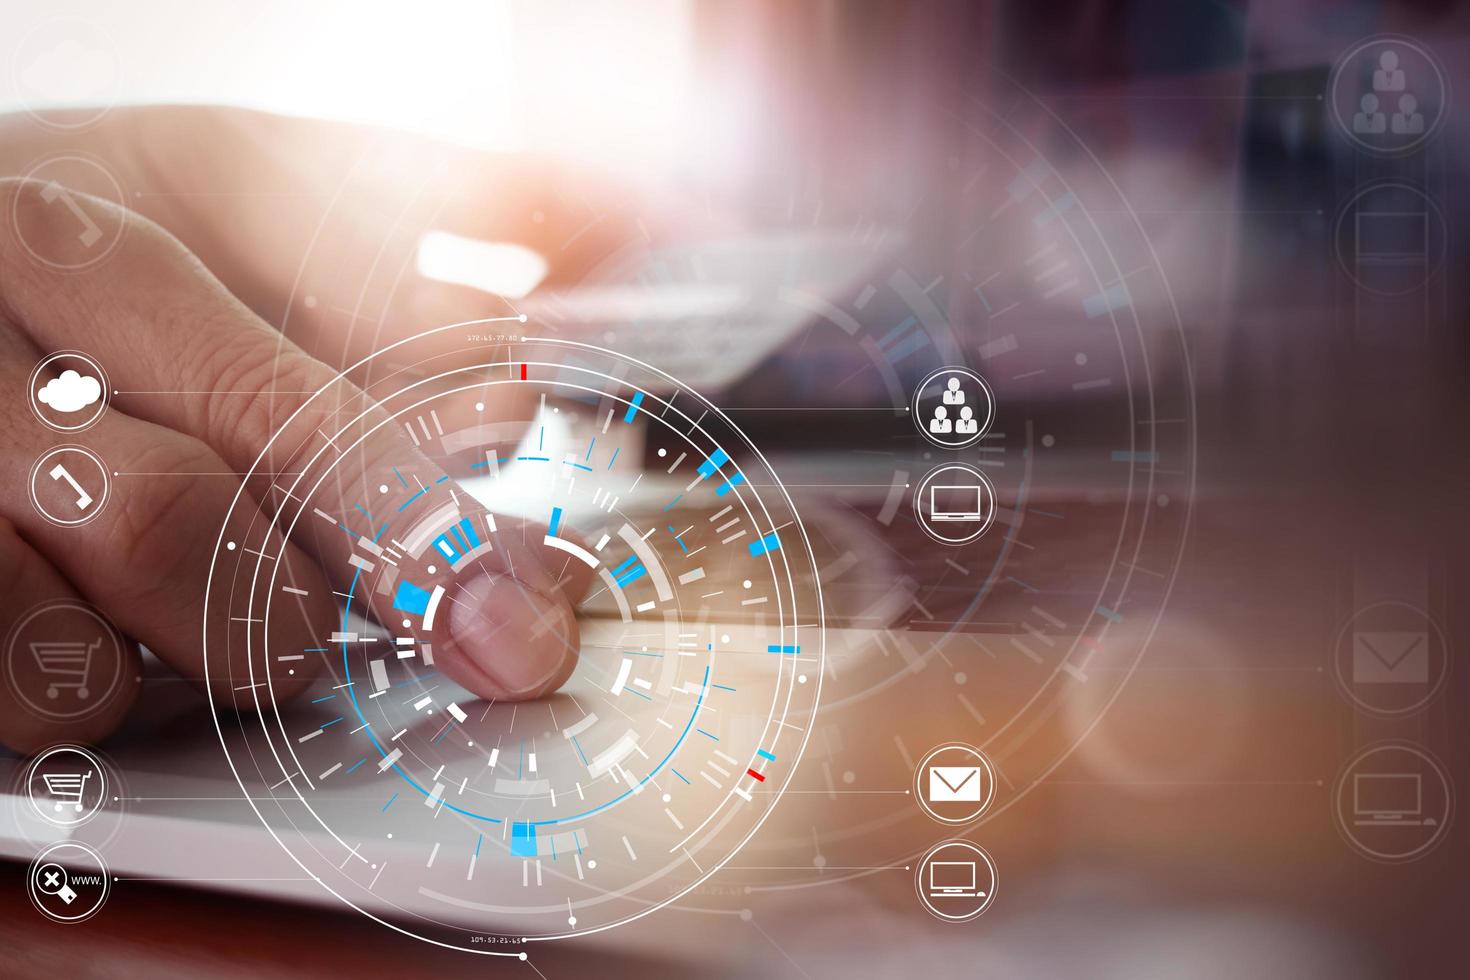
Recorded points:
(519, 640)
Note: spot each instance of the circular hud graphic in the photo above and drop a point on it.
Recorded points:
(476, 823)
(1015, 642)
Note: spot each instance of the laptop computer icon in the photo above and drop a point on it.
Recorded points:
(1393, 798)
(955, 503)
(953, 879)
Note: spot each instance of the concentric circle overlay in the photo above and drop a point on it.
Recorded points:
(954, 503)
(956, 880)
(479, 824)
(1390, 238)
(69, 485)
(68, 882)
(64, 660)
(68, 391)
(62, 64)
(1391, 659)
(1085, 579)
(66, 785)
(954, 783)
(1393, 802)
(1389, 94)
(953, 407)
(54, 227)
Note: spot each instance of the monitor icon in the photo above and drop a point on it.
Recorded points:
(954, 502)
(955, 878)
(1393, 802)
(1390, 238)
(1389, 798)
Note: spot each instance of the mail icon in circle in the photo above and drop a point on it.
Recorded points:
(1390, 658)
(954, 784)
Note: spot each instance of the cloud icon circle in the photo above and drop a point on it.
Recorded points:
(71, 392)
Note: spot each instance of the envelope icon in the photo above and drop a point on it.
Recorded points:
(954, 784)
(1390, 658)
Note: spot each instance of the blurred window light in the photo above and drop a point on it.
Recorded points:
(502, 268)
(607, 81)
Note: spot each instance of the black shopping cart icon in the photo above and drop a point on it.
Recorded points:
(65, 664)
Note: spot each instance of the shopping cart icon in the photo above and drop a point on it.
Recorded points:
(66, 787)
(65, 664)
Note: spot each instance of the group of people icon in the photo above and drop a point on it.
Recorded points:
(942, 424)
(1371, 120)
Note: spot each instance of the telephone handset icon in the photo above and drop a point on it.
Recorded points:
(84, 499)
(90, 233)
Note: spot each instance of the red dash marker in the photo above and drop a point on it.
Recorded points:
(523, 372)
(758, 777)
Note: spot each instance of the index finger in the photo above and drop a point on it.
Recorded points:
(186, 354)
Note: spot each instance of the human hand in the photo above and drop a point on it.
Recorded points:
(204, 382)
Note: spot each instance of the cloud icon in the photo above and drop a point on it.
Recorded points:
(70, 72)
(71, 392)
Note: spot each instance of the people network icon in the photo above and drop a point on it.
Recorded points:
(941, 424)
(965, 425)
(1388, 78)
(952, 407)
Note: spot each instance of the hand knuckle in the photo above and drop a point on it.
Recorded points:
(254, 386)
(14, 555)
(156, 531)
(24, 207)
